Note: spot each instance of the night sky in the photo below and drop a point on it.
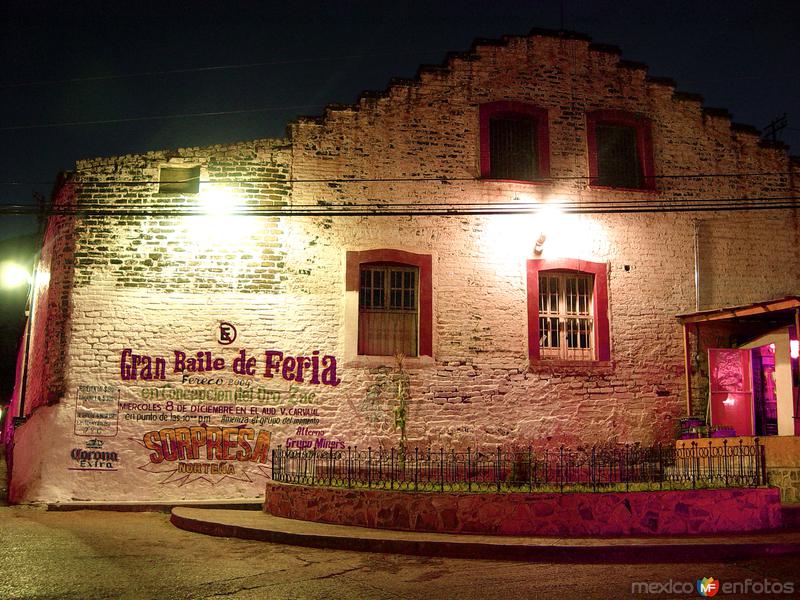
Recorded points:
(67, 62)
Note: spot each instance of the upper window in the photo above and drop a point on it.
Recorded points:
(179, 180)
(387, 310)
(620, 150)
(568, 310)
(514, 141)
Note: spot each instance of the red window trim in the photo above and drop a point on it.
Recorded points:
(602, 341)
(511, 108)
(644, 143)
(423, 262)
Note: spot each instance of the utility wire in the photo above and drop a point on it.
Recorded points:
(440, 179)
(293, 61)
(161, 117)
(425, 209)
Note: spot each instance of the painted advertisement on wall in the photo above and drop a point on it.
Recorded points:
(201, 423)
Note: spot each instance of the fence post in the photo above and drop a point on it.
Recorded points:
(369, 467)
(741, 460)
(469, 469)
(391, 469)
(627, 466)
(696, 463)
(661, 473)
(593, 467)
(497, 468)
(330, 468)
(761, 463)
(725, 459)
(710, 463)
(441, 469)
(530, 469)
(561, 468)
(416, 467)
(349, 458)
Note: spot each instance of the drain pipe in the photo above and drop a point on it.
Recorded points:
(696, 225)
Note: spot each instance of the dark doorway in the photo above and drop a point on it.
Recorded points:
(765, 398)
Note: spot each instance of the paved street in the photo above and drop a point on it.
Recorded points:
(96, 554)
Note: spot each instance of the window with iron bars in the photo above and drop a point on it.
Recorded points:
(565, 316)
(618, 161)
(513, 148)
(388, 310)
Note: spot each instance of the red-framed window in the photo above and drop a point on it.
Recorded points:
(395, 301)
(568, 310)
(620, 150)
(514, 142)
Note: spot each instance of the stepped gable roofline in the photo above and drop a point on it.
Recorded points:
(656, 80)
(687, 96)
(633, 65)
(559, 33)
(607, 48)
(714, 111)
(472, 54)
(773, 144)
(745, 128)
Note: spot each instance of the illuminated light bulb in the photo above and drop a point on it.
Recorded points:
(794, 348)
(729, 401)
(13, 275)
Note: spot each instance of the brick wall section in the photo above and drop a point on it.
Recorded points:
(481, 388)
(49, 341)
(157, 252)
(151, 282)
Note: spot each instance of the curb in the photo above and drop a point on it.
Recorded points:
(255, 505)
(266, 528)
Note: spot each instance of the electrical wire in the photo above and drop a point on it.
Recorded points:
(433, 178)
(236, 66)
(411, 209)
(161, 117)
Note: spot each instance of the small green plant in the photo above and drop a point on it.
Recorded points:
(402, 387)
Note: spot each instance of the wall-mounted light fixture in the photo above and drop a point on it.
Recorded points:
(539, 247)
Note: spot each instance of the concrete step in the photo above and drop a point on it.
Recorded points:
(253, 525)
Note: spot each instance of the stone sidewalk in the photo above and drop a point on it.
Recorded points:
(253, 525)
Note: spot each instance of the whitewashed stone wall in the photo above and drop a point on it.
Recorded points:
(157, 284)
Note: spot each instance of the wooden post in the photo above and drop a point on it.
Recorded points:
(687, 365)
(796, 401)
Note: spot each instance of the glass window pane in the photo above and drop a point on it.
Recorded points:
(512, 148)
(618, 163)
(396, 299)
(388, 319)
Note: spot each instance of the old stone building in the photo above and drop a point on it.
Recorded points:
(523, 224)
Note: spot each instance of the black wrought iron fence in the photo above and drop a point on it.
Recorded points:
(592, 468)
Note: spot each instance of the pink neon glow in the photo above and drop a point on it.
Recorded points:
(794, 348)
(729, 401)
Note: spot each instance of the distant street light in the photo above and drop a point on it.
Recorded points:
(13, 275)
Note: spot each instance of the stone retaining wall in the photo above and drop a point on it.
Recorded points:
(569, 514)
